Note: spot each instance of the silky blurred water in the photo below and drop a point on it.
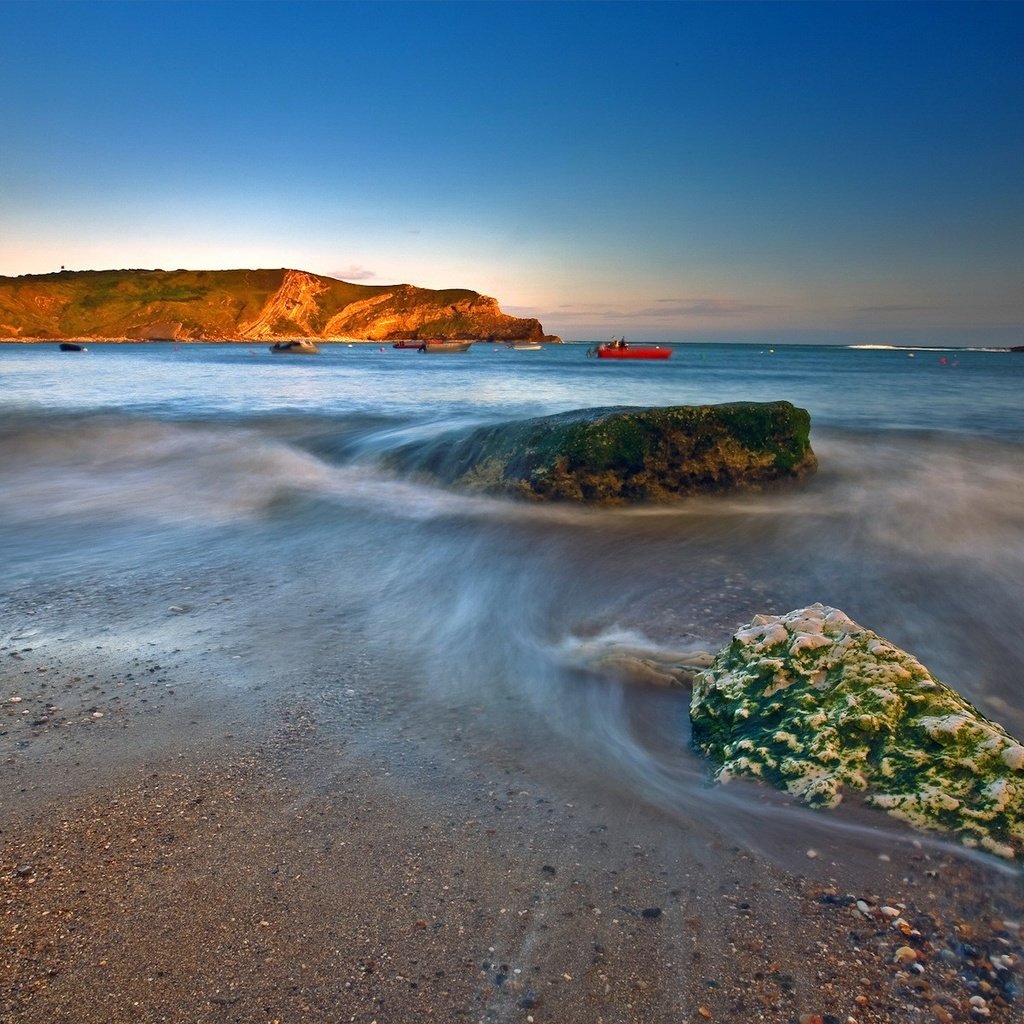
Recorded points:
(977, 392)
(196, 457)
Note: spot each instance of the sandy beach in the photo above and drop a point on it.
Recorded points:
(298, 850)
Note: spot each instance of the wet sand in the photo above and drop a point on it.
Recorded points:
(288, 845)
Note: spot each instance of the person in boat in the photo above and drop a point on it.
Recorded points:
(619, 343)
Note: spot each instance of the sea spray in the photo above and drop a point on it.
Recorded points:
(914, 519)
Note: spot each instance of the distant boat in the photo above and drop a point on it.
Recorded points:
(445, 346)
(619, 348)
(70, 346)
(408, 343)
(294, 348)
(526, 346)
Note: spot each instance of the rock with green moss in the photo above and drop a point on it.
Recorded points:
(611, 456)
(814, 703)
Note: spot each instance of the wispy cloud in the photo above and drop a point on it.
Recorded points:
(670, 309)
(894, 307)
(705, 307)
(354, 273)
(595, 312)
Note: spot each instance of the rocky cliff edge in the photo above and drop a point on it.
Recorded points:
(243, 305)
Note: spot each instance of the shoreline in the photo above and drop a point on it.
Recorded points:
(258, 341)
(554, 340)
(235, 843)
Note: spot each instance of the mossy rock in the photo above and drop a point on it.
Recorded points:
(613, 456)
(813, 703)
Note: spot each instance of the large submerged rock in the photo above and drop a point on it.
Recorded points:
(619, 455)
(815, 704)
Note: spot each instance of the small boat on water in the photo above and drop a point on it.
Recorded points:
(619, 348)
(71, 346)
(299, 347)
(408, 343)
(445, 346)
(525, 346)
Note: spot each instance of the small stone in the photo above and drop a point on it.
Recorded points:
(812, 854)
(905, 955)
(651, 912)
(704, 1012)
(23, 870)
(889, 912)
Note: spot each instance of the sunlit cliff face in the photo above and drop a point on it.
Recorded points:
(241, 305)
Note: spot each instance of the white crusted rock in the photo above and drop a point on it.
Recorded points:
(815, 704)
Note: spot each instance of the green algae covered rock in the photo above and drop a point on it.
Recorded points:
(611, 456)
(814, 703)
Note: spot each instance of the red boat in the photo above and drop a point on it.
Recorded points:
(619, 348)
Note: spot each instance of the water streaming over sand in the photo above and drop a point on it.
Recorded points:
(132, 458)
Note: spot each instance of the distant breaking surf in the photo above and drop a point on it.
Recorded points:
(931, 348)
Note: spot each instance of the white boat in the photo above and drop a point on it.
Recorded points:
(294, 348)
(445, 346)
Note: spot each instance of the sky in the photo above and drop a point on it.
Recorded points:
(809, 172)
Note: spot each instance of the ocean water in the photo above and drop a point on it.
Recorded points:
(474, 615)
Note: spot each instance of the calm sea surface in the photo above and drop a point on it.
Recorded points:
(196, 461)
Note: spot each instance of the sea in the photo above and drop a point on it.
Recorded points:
(223, 468)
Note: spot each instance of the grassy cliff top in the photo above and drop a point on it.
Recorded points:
(211, 304)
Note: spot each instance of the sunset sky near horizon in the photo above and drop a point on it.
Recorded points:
(789, 172)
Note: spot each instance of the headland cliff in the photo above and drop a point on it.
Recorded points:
(243, 305)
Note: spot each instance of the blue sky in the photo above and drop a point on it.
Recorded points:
(804, 172)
